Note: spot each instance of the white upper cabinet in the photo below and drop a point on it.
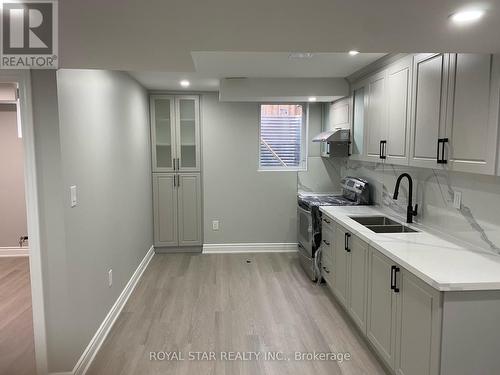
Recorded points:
(386, 110)
(473, 108)
(397, 135)
(434, 110)
(375, 116)
(430, 76)
(340, 114)
(335, 115)
(175, 135)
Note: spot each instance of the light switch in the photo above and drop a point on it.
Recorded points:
(457, 199)
(215, 225)
(72, 191)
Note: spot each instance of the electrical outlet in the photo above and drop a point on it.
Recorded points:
(72, 191)
(110, 277)
(215, 225)
(457, 199)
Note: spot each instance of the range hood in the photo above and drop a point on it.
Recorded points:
(335, 135)
(337, 142)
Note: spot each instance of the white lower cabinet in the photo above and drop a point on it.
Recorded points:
(341, 265)
(381, 318)
(404, 318)
(357, 279)
(414, 328)
(418, 327)
(350, 276)
(327, 261)
(399, 314)
(189, 218)
(177, 209)
(165, 209)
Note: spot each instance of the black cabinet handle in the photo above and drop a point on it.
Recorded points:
(441, 151)
(346, 242)
(326, 270)
(327, 221)
(326, 242)
(382, 149)
(394, 281)
(393, 268)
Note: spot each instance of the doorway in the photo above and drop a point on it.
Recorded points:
(23, 258)
(17, 346)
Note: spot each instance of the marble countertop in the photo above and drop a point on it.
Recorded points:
(445, 265)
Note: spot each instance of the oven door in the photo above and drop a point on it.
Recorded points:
(304, 230)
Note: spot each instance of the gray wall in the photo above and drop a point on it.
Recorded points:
(12, 199)
(322, 174)
(101, 144)
(252, 206)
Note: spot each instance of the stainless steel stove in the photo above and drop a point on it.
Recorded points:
(355, 191)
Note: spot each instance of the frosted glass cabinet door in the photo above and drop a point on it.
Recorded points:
(163, 133)
(358, 122)
(188, 134)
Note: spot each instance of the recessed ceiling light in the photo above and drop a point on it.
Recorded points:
(312, 99)
(467, 16)
(185, 83)
(353, 52)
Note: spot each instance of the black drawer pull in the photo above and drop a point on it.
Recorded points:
(441, 151)
(394, 272)
(326, 270)
(327, 221)
(346, 242)
(382, 148)
(326, 242)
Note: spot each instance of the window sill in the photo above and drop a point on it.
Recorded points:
(281, 169)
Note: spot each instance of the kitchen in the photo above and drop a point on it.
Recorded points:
(318, 194)
(384, 209)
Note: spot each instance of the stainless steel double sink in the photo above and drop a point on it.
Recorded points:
(382, 224)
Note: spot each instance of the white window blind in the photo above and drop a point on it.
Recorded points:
(282, 136)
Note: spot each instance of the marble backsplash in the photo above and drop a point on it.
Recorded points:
(322, 176)
(477, 222)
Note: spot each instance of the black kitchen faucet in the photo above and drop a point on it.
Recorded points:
(410, 212)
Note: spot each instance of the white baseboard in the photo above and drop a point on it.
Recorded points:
(14, 251)
(91, 350)
(249, 248)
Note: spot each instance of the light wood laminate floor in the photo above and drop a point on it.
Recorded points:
(221, 303)
(17, 356)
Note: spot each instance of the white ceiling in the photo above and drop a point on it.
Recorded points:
(171, 81)
(280, 64)
(159, 35)
(211, 66)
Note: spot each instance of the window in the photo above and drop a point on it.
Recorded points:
(283, 134)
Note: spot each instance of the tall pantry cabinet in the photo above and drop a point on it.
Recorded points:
(176, 158)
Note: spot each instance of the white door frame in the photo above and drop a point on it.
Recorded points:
(22, 78)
